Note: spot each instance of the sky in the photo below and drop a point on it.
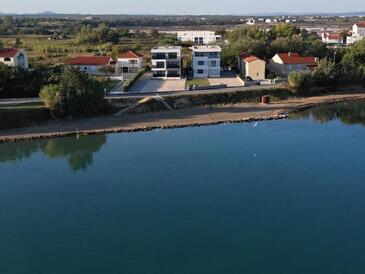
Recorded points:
(181, 6)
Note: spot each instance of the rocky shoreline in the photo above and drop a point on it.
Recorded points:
(137, 129)
(193, 117)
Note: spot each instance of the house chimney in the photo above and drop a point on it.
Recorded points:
(316, 59)
(289, 53)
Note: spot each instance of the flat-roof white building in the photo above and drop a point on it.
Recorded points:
(206, 61)
(166, 62)
(199, 37)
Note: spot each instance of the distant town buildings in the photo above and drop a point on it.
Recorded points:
(251, 21)
(128, 64)
(97, 65)
(251, 67)
(206, 61)
(199, 37)
(166, 62)
(283, 63)
(14, 57)
(358, 33)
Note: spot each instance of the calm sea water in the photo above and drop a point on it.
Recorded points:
(280, 197)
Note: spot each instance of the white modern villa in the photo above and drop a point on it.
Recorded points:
(128, 64)
(199, 37)
(206, 61)
(14, 57)
(358, 33)
(166, 62)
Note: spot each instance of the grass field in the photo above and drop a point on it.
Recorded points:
(42, 50)
(198, 82)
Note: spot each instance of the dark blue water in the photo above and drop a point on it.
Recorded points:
(282, 197)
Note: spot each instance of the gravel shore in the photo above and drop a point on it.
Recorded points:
(196, 116)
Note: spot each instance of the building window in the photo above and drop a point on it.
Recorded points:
(125, 69)
(85, 68)
(200, 71)
(213, 63)
(289, 67)
(200, 63)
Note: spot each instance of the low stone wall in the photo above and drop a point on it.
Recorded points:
(186, 101)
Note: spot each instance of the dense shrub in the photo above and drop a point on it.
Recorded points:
(77, 94)
(15, 83)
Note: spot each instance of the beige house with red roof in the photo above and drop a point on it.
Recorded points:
(251, 67)
(14, 58)
(284, 63)
(96, 65)
(129, 63)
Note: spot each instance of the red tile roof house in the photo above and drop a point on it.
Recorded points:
(283, 63)
(332, 38)
(128, 64)
(92, 64)
(251, 66)
(14, 57)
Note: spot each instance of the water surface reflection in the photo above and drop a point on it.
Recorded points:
(78, 152)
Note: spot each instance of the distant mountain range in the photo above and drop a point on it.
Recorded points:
(51, 14)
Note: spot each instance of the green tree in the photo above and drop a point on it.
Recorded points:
(285, 30)
(296, 80)
(324, 73)
(77, 94)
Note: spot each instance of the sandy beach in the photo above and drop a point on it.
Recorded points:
(196, 116)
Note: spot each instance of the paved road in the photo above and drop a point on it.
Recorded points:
(18, 101)
(194, 92)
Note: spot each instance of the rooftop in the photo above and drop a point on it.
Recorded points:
(130, 55)
(206, 48)
(8, 53)
(290, 58)
(89, 60)
(167, 49)
(360, 24)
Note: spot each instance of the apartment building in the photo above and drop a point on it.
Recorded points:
(199, 37)
(206, 61)
(166, 62)
(14, 57)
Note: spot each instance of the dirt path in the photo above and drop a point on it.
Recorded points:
(196, 116)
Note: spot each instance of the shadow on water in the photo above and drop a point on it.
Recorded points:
(346, 112)
(78, 152)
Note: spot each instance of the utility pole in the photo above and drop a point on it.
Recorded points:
(334, 57)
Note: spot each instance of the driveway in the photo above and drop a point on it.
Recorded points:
(227, 77)
(148, 85)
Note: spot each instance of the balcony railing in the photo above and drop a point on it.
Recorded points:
(164, 57)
